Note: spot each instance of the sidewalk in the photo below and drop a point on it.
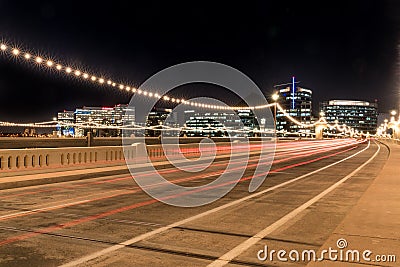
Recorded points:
(374, 223)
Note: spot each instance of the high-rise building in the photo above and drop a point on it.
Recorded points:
(297, 102)
(158, 118)
(359, 115)
(113, 116)
(100, 115)
(124, 115)
(208, 123)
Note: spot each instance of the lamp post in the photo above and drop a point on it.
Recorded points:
(275, 98)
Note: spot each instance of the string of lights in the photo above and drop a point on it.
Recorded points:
(47, 63)
(94, 125)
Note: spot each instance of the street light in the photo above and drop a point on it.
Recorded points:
(275, 97)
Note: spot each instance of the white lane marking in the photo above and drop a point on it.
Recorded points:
(42, 209)
(236, 251)
(198, 216)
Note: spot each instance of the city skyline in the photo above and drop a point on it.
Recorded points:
(277, 41)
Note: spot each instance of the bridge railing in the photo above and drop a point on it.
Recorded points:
(19, 160)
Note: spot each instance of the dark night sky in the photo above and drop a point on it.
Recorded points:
(340, 49)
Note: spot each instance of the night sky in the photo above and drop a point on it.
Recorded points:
(339, 49)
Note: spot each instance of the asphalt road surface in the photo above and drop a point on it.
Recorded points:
(110, 221)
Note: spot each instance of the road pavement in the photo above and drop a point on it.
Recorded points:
(109, 221)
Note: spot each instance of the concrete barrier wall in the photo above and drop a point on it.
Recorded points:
(45, 158)
(17, 160)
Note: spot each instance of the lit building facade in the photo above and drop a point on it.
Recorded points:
(360, 115)
(208, 123)
(158, 118)
(297, 102)
(67, 117)
(113, 116)
(124, 115)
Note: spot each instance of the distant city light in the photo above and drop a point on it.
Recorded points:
(293, 92)
(275, 97)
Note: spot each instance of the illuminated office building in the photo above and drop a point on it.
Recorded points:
(67, 117)
(216, 123)
(118, 115)
(297, 102)
(157, 119)
(359, 115)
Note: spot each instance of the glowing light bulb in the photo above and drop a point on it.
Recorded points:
(145, 93)
(121, 86)
(15, 51)
(150, 94)
(68, 70)
(133, 89)
(109, 82)
(85, 75)
(3, 47)
(127, 88)
(49, 63)
(113, 84)
(93, 78)
(39, 59)
(139, 91)
(27, 56)
(77, 73)
(156, 95)
(58, 67)
(101, 80)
